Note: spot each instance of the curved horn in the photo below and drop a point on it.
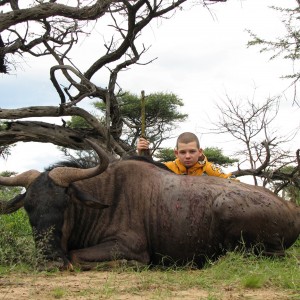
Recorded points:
(63, 176)
(24, 179)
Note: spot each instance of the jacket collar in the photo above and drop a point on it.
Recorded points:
(191, 170)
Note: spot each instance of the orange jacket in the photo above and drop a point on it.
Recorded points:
(200, 168)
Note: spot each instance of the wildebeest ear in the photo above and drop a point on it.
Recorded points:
(86, 199)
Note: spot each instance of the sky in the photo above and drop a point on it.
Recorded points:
(202, 55)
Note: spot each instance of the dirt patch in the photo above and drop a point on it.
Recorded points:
(113, 285)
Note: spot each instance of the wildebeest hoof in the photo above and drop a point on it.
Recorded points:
(56, 265)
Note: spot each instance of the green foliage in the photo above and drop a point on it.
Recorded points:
(78, 122)
(165, 154)
(16, 242)
(216, 156)
(160, 107)
(162, 115)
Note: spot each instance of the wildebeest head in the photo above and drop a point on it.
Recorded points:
(46, 197)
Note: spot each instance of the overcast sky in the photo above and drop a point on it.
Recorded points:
(201, 56)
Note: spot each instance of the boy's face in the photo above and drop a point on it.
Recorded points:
(188, 154)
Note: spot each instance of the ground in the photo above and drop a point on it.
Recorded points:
(120, 285)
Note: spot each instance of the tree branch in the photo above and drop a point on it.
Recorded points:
(50, 9)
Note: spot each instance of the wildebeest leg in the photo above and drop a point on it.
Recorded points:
(88, 258)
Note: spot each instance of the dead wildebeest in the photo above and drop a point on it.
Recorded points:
(135, 210)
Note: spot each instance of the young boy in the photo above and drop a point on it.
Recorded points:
(190, 159)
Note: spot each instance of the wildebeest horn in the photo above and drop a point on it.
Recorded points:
(63, 176)
(24, 179)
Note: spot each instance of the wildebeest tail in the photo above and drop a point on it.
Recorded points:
(8, 207)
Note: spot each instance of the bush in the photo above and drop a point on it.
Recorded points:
(16, 242)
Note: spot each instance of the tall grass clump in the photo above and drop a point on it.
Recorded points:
(16, 241)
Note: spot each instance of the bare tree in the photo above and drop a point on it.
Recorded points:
(49, 28)
(251, 125)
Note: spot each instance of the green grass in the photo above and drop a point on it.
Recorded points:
(16, 242)
(58, 293)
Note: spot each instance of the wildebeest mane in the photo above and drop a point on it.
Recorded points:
(68, 163)
(72, 163)
(149, 160)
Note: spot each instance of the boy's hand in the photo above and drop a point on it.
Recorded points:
(142, 144)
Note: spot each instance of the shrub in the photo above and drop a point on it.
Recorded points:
(16, 241)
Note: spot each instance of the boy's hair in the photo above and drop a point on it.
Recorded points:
(187, 137)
